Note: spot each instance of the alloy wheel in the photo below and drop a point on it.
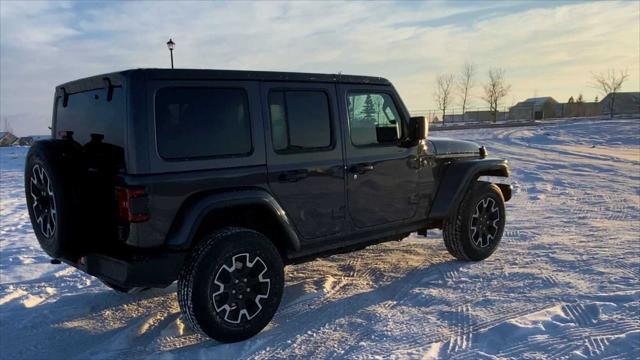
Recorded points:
(241, 288)
(44, 203)
(485, 221)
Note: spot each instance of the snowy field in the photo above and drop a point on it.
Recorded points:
(565, 282)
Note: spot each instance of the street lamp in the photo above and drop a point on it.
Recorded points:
(171, 45)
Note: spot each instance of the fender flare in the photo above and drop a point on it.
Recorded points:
(456, 179)
(183, 235)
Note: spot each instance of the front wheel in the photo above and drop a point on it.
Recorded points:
(231, 285)
(474, 231)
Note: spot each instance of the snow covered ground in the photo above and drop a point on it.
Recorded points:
(564, 284)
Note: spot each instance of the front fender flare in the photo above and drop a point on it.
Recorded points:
(183, 235)
(456, 179)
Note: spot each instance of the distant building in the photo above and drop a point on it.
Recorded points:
(580, 109)
(7, 138)
(625, 103)
(485, 116)
(537, 108)
(453, 118)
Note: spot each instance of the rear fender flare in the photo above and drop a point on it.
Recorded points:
(183, 235)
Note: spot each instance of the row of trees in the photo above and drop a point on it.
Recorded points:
(579, 100)
(457, 88)
(452, 87)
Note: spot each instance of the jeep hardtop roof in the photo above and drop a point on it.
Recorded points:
(116, 78)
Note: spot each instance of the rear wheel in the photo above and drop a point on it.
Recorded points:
(475, 230)
(231, 285)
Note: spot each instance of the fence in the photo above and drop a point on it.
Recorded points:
(471, 115)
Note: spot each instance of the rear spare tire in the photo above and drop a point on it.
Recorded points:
(52, 196)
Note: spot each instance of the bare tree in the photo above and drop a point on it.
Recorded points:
(7, 126)
(609, 83)
(495, 90)
(465, 84)
(444, 92)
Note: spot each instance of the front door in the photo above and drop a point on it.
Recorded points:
(382, 177)
(304, 156)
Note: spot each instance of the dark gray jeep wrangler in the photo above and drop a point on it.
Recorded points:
(217, 179)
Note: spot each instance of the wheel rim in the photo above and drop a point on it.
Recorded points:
(485, 223)
(44, 202)
(241, 288)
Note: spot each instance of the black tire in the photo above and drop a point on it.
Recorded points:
(215, 290)
(474, 231)
(52, 196)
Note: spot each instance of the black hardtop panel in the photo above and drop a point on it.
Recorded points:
(116, 78)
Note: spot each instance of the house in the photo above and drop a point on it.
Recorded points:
(536, 108)
(623, 103)
(7, 138)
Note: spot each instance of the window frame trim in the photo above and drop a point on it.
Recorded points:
(288, 151)
(395, 103)
(204, 157)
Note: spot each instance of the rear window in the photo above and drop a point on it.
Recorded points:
(89, 112)
(195, 122)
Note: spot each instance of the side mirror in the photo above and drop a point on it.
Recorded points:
(418, 127)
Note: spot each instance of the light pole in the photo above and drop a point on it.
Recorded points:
(171, 45)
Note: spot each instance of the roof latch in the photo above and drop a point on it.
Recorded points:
(65, 97)
(109, 87)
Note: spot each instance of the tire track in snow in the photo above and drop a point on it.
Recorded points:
(580, 314)
(462, 329)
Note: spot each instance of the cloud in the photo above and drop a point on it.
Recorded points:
(546, 49)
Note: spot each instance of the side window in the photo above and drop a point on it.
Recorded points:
(193, 122)
(373, 119)
(300, 120)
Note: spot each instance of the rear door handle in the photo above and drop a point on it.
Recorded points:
(293, 175)
(361, 168)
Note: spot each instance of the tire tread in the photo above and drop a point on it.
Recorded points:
(185, 278)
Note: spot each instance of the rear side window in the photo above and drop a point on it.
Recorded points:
(194, 122)
(300, 120)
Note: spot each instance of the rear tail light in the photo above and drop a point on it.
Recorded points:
(133, 204)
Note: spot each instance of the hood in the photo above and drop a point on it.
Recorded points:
(449, 147)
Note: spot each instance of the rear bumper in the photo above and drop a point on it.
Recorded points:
(133, 271)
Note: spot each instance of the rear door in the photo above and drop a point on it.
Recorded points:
(304, 156)
(382, 177)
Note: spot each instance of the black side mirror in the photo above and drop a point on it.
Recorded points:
(418, 128)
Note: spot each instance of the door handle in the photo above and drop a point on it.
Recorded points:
(360, 168)
(293, 175)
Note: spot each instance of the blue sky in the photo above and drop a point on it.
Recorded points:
(546, 48)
